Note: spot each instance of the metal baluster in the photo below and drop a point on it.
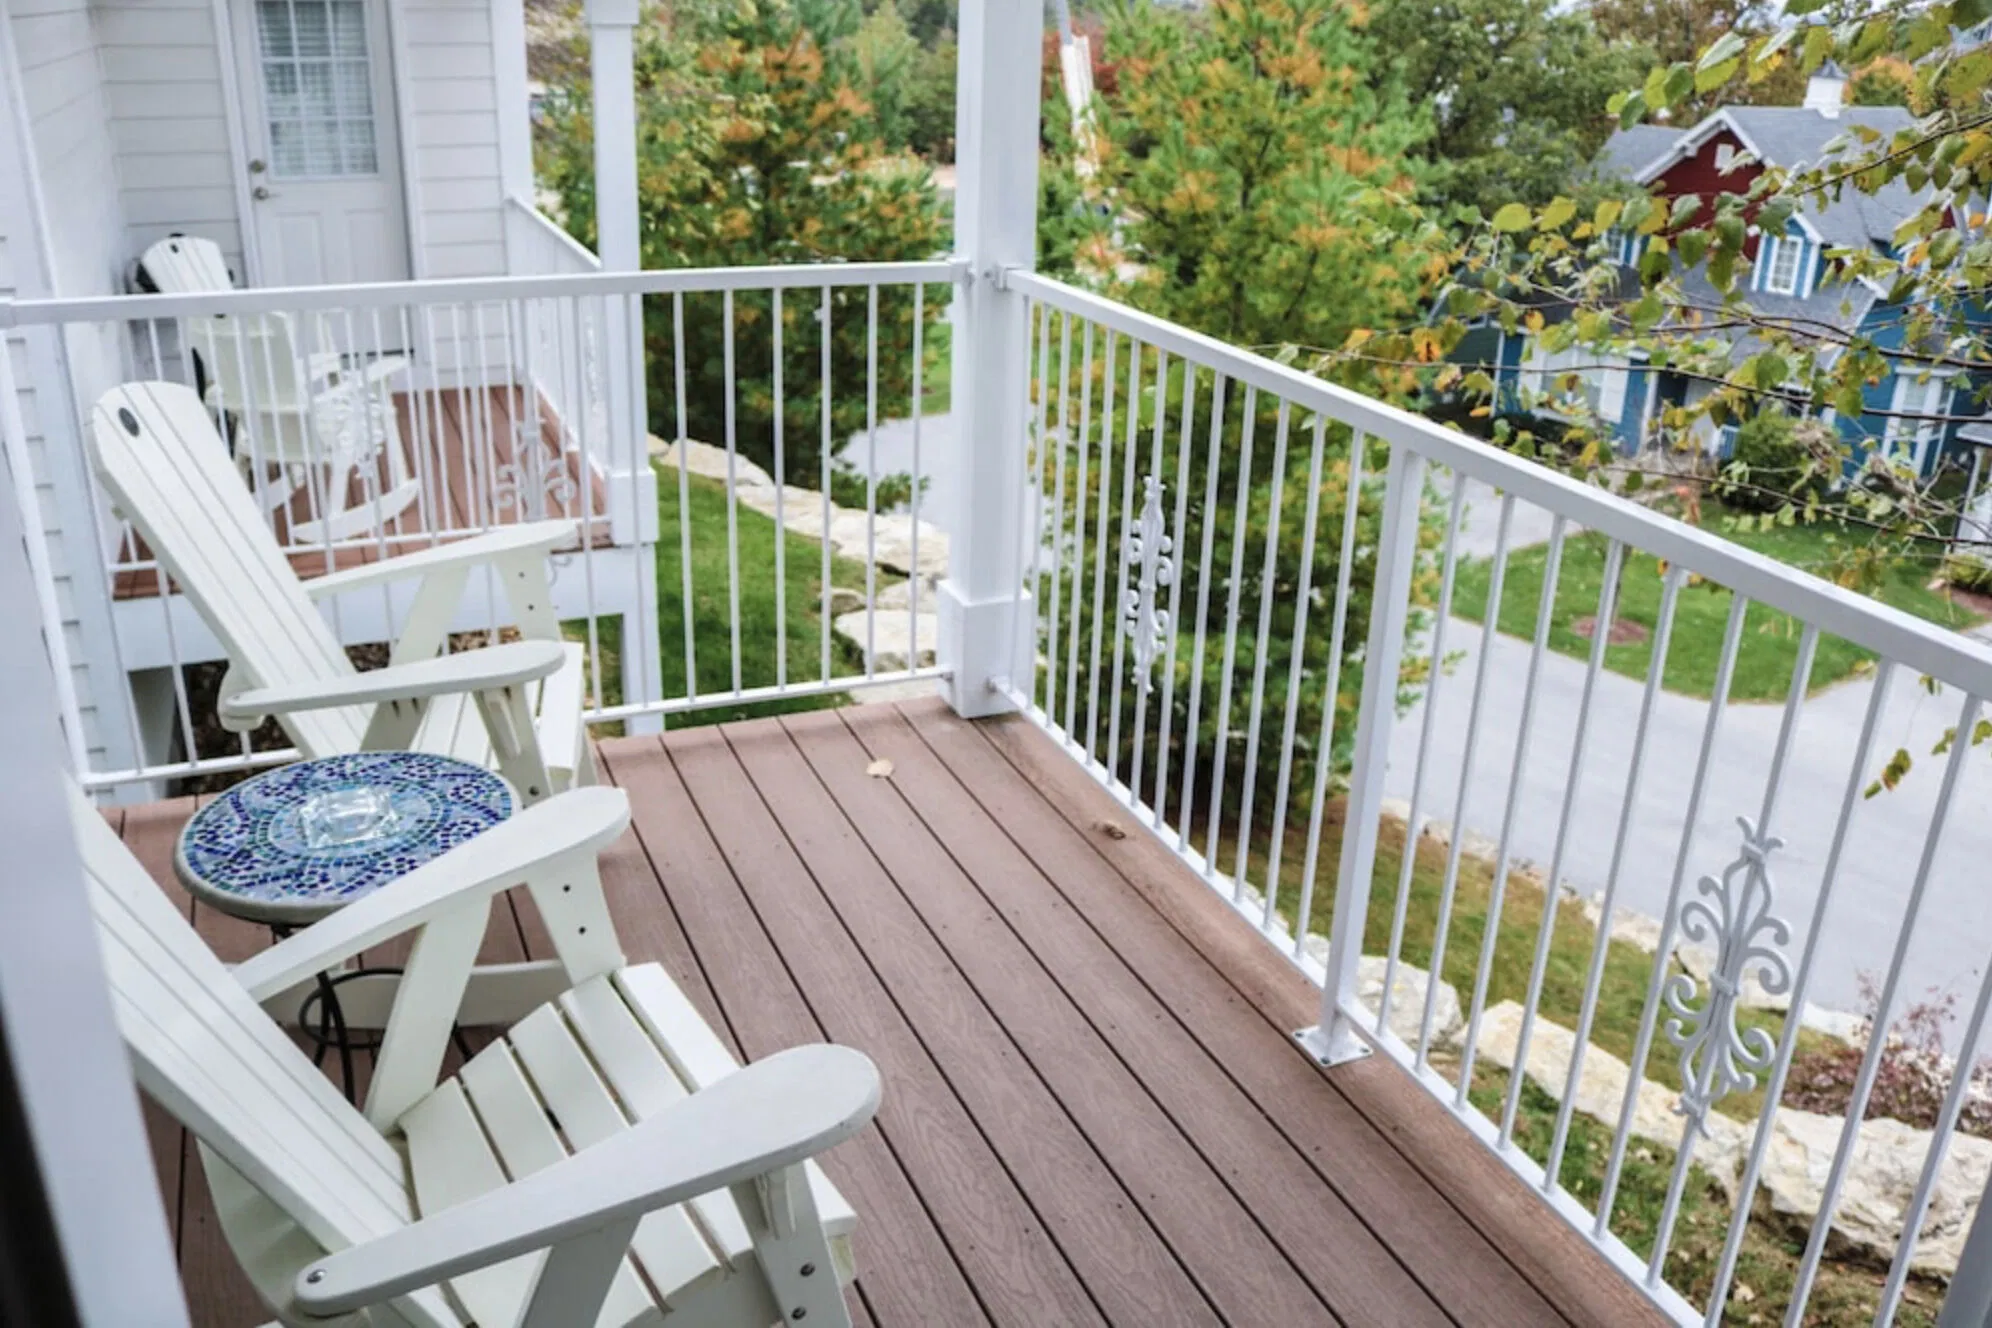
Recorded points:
(1267, 574)
(1053, 597)
(919, 369)
(1656, 668)
(1490, 629)
(1033, 497)
(1143, 606)
(1079, 497)
(1295, 675)
(1101, 554)
(1884, 1016)
(1732, 637)
(823, 464)
(1193, 731)
(1324, 745)
(1114, 617)
(1552, 892)
(1160, 802)
(569, 353)
(685, 600)
(871, 480)
(732, 492)
(1517, 775)
(1242, 508)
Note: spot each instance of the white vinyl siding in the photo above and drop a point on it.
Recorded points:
(452, 127)
(164, 80)
(60, 91)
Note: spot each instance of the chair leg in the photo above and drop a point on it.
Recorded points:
(792, 1248)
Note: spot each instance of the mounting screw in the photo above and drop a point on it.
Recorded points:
(798, 1313)
(809, 1270)
(315, 1276)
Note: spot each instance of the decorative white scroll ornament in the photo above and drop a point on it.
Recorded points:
(1718, 1056)
(1149, 549)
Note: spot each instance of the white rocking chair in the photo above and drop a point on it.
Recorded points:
(320, 420)
(608, 1132)
(168, 473)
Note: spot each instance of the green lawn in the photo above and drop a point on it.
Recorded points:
(1770, 639)
(760, 607)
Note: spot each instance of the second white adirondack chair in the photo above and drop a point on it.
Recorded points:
(607, 1132)
(307, 411)
(168, 472)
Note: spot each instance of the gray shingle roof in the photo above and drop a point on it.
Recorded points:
(1628, 151)
(1791, 136)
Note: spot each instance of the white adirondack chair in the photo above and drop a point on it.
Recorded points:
(608, 1132)
(168, 472)
(306, 411)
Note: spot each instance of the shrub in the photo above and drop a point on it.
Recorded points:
(1911, 1077)
(1775, 462)
(1962, 573)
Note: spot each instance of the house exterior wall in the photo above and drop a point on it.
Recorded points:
(451, 135)
(168, 90)
(1698, 174)
(60, 234)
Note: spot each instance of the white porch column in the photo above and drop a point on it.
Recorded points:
(632, 485)
(611, 56)
(996, 132)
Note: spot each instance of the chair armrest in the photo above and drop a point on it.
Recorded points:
(540, 838)
(547, 535)
(774, 1114)
(444, 675)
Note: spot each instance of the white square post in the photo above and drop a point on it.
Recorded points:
(618, 243)
(996, 133)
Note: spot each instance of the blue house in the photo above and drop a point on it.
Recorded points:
(1790, 279)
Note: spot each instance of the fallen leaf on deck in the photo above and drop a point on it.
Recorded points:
(880, 769)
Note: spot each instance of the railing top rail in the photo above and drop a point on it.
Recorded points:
(1949, 657)
(459, 290)
(555, 233)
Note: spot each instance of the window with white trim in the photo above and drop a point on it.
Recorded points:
(1910, 431)
(1725, 157)
(1781, 265)
(1599, 388)
(317, 87)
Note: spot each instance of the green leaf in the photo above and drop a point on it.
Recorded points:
(1818, 45)
(1693, 245)
(1559, 211)
(1633, 110)
(1773, 217)
(1513, 217)
(1730, 44)
(1715, 76)
(1607, 215)
(1680, 82)
(1772, 370)
(1684, 207)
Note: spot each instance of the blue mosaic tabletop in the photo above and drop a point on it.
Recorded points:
(296, 843)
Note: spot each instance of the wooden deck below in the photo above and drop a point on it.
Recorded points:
(473, 451)
(1093, 1111)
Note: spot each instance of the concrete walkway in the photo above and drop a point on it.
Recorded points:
(1953, 938)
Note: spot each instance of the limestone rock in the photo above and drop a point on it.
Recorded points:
(889, 636)
(709, 461)
(1407, 1001)
(1601, 1088)
(1887, 1164)
(845, 601)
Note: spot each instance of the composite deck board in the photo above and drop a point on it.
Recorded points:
(439, 433)
(1093, 1110)
(1277, 1107)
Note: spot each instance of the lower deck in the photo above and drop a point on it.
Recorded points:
(1093, 1112)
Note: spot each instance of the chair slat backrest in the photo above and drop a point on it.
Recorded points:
(186, 264)
(256, 364)
(223, 1068)
(169, 473)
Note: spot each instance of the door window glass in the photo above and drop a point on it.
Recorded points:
(317, 87)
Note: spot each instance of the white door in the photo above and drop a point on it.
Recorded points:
(1910, 439)
(325, 167)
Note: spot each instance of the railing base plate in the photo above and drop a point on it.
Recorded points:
(1329, 1047)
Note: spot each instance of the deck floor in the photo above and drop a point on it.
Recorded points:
(1093, 1110)
(473, 450)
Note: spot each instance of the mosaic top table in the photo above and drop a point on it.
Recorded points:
(298, 843)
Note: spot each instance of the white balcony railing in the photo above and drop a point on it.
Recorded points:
(1207, 531)
(376, 420)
